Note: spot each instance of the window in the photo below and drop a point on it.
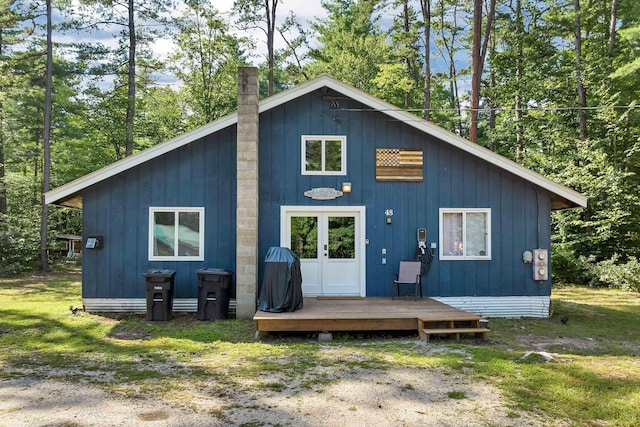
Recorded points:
(176, 234)
(465, 234)
(324, 155)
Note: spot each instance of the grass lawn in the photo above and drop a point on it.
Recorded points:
(594, 380)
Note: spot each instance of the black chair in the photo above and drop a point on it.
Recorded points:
(409, 274)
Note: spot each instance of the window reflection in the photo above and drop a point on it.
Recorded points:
(333, 156)
(342, 244)
(304, 236)
(163, 234)
(189, 234)
(313, 151)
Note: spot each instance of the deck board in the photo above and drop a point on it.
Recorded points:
(365, 314)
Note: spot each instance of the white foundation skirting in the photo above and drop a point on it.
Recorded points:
(139, 305)
(508, 307)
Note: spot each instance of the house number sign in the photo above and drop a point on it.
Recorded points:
(323, 193)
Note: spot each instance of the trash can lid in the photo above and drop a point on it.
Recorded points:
(218, 271)
(159, 272)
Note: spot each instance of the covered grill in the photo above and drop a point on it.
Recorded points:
(282, 283)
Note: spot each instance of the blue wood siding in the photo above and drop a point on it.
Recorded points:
(201, 174)
(452, 179)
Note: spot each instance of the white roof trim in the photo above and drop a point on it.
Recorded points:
(79, 184)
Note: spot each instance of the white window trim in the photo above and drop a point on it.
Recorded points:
(324, 138)
(176, 210)
(464, 211)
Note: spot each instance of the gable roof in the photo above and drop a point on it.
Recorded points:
(562, 197)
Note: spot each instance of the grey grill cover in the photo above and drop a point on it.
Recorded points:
(282, 282)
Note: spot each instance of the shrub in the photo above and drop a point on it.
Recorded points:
(19, 248)
(614, 273)
(567, 268)
(625, 276)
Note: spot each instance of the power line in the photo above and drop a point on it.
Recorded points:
(499, 109)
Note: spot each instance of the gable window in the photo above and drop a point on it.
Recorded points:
(176, 234)
(324, 155)
(465, 234)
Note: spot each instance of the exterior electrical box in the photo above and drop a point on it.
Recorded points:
(540, 264)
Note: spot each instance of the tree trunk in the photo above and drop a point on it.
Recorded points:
(455, 97)
(131, 83)
(270, 14)
(453, 77)
(3, 188)
(612, 43)
(612, 27)
(582, 93)
(476, 70)
(519, 72)
(46, 145)
(36, 194)
(426, 17)
(492, 100)
(408, 95)
(487, 33)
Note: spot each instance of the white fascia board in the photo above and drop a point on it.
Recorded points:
(137, 159)
(457, 141)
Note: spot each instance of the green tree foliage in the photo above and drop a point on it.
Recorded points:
(531, 109)
(206, 61)
(290, 61)
(10, 34)
(352, 46)
(19, 233)
(135, 21)
(448, 27)
(162, 116)
(399, 81)
(534, 79)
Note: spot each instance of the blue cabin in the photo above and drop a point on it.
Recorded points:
(350, 183)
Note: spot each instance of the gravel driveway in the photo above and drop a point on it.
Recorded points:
(362, 397)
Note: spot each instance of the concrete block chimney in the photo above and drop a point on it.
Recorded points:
(247, 194)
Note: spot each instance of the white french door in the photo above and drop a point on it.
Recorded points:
(329, 243)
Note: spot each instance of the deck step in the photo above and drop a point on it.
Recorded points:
(426, 332)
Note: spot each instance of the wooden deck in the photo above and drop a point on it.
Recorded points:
(326, 314)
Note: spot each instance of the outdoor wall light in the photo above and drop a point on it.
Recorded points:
(346, 187)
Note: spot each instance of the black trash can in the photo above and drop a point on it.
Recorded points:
(159, 294)
(214, 293)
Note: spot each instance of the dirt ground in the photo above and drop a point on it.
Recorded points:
(394, 397)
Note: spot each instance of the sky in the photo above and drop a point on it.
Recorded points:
(305, 10)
